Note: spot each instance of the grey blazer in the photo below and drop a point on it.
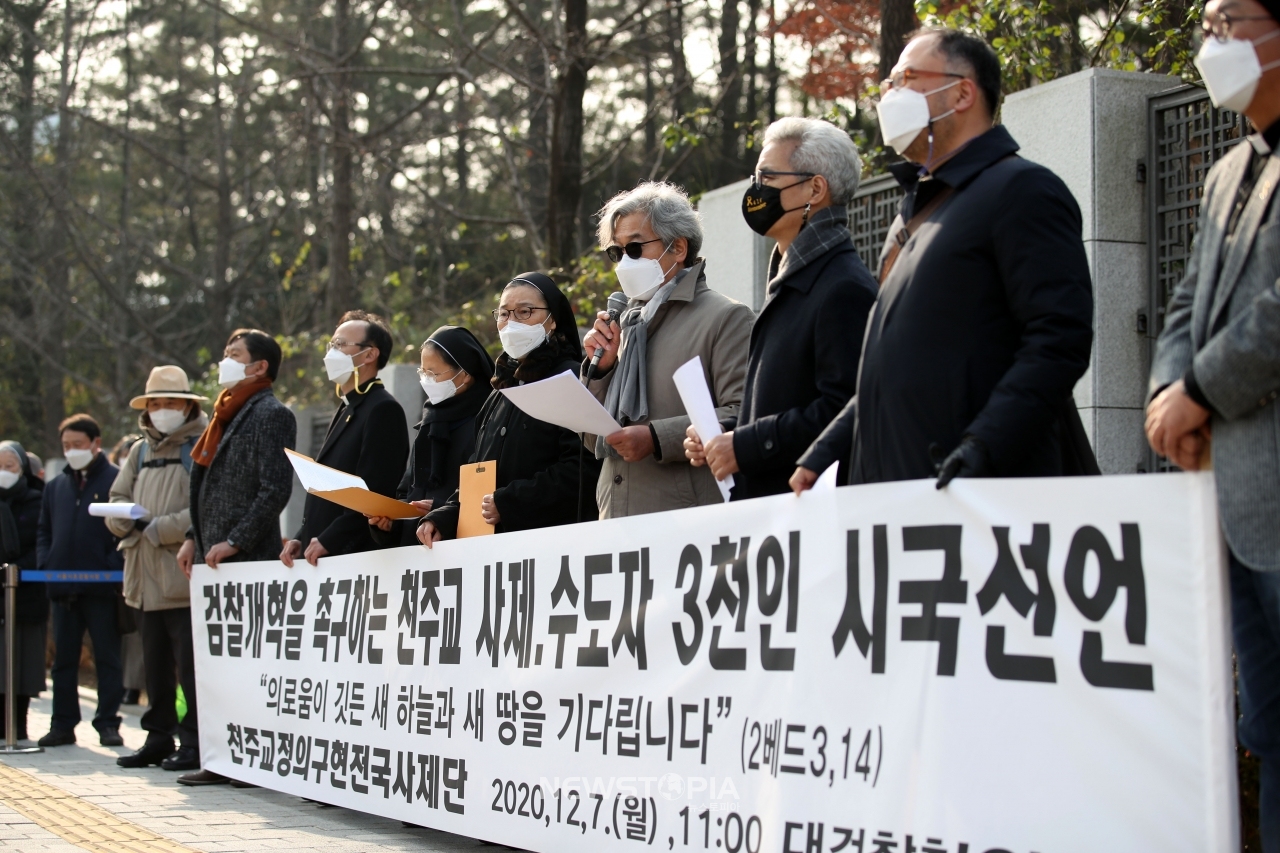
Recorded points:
(1237, 291)
(240, 496)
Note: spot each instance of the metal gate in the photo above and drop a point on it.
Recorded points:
(871, 213)
(1186, 135)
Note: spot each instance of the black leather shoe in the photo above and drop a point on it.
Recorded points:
(202, 777)
(186, 758)
(152, 752)
(56, 737)
(131, 697)
(110, 736)
(236, 783)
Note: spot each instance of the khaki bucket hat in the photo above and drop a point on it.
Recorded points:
(167, 380)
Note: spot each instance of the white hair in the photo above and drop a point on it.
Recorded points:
(665, 206)
(821, 148)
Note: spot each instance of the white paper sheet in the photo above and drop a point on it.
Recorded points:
(562, 400)
(696, 397)
(828, 480)
(117, 510)
(321, 478)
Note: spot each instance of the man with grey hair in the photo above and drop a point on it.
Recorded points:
(653, 234)
(806, 343)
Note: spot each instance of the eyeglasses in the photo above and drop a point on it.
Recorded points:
(433, 376)
(762, 175)
(1220, 27)
(906, 75)
(523, 314)
(338, 343)
(633, 249)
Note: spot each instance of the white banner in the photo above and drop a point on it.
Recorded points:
(1019, 665)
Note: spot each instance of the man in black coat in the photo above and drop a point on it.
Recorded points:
(984, 320)
(803, 365)
(69, 539)
(240, 482)
(367, 437)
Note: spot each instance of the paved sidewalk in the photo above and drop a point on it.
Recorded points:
(215, 819)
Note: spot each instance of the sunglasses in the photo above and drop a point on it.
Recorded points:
(633, 249)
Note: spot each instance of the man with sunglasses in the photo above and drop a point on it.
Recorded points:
(1215, 378)
(803, 364)
(984, 322)
(653, 234)
(367, 437)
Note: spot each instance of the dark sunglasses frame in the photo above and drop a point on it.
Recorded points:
(634, 249)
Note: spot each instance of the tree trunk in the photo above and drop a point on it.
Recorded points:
(59, 275)
(342, 295)
(772, 74)
(460, 162)
(749, 68)
(220, 308)
(730, 167)
(897, 21)
(679, 66)
(566, 141)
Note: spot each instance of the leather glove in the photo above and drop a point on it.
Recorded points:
(969, 459)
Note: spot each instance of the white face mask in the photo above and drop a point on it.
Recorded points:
(518, 340)
(641, 277)
(78, 459)
(230, 372)
(437, 392)
(339, 365)
(904, 113)
(8, 478)
(167, 420)
(1231, 70)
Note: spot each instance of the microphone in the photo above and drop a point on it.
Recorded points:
(617, 304)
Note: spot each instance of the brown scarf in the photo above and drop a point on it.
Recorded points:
(228, 405)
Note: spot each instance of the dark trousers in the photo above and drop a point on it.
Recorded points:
(170, 660)
(71, 618)
(1255, 617)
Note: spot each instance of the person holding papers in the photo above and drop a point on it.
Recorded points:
(155, 475)
(539, 482)
(366, 438)
(20, 498)
(454, 372)
(69, 539)
(653, 234)
(805, 344)
(240, 482)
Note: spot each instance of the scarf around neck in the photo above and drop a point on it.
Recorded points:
(825, 230)
(628, 396)
(225, 409)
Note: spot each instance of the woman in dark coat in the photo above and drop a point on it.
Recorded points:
(455, 372)
(542, 478)
(20, 496)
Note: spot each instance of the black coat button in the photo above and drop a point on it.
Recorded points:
(768, 445)
(617, 479)
(502, 431)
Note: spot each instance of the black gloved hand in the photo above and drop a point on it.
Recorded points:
(970, 459)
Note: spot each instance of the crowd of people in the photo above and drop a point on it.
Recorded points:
(956, 357)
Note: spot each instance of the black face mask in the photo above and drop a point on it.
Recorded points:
(762, 206)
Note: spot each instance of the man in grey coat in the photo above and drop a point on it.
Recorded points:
(653, 234)
(1215, 379)
(240, 479)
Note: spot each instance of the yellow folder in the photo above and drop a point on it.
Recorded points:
(474, 482)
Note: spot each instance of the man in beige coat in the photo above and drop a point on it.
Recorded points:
(653, 234)
(156, 476)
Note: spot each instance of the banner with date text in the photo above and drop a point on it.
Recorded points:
(1020, 665)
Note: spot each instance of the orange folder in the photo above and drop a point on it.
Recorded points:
(474, 482)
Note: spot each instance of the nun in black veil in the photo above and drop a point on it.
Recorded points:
(454, 372)
(539, 479)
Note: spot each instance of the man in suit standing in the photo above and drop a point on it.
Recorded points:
(983, 323)
(240, 483)
(367, 437)
(1216, 373)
